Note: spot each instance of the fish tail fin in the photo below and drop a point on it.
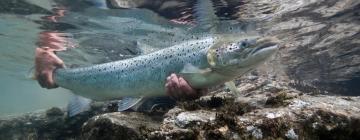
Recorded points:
(30, 74)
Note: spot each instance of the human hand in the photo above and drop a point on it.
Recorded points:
(177, 88)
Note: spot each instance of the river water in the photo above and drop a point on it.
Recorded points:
(89, 31)
(92, 33)
(18, 37)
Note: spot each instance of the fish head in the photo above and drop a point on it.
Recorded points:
(243, 55)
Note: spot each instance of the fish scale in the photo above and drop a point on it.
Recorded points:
(139, 76)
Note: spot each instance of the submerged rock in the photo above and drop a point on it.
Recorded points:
(119, 125)
(302, 116)
(263, 111)
(184, 119)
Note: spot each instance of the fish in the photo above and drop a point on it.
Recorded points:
(203, 62)
(197, 61)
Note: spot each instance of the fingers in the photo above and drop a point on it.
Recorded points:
(178, 88)
(186, 89)
(45, 63)
(172, 87)
(45, 79)
(58, 63)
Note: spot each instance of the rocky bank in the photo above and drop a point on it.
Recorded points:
(264, 109)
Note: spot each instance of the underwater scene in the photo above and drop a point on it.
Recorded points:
(179, 69)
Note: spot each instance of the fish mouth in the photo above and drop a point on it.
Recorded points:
(265, 51)
(267, 45)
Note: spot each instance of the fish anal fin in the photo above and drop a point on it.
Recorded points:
(129, 102)
(77, 105)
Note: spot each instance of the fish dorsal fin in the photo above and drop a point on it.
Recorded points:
(78, 104)
(205, 15)
(128, 102)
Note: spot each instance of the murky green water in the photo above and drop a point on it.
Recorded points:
(20, 94)
(91, 33)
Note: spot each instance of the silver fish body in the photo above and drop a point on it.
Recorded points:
(203, 63)
(139, 76)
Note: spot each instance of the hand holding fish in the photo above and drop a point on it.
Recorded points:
(177, 88)
(46, 62)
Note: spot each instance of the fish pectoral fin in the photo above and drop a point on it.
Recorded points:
(189, 68)
(232, 87)
(129, 102)
(194, 75)
(78, 104)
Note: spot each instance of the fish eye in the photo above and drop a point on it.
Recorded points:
(244, 44)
